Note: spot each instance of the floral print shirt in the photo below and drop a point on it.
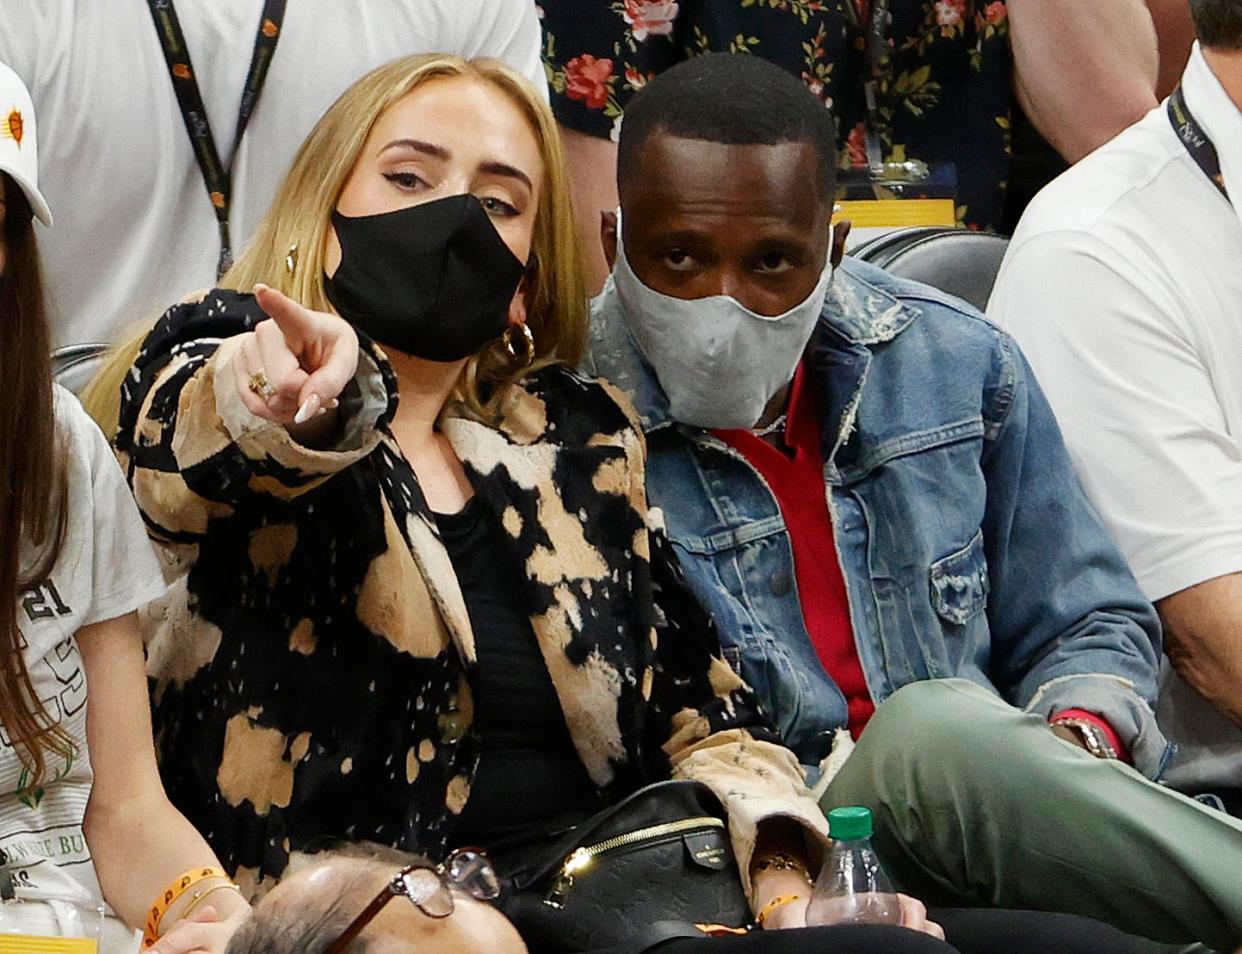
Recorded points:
(944, 93)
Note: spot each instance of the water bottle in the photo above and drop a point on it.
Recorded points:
(852, 887)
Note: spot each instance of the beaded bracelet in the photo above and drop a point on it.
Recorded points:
(169, 896)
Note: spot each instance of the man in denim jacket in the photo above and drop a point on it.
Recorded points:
(867, 488)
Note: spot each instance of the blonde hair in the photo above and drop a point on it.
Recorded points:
(301, 216)
(101, 396)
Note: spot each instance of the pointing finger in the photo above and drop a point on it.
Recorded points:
(296, 322)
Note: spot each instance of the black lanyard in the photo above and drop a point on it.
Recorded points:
(217, 176)
(875, 33)
(876, 40)
(1201, 148)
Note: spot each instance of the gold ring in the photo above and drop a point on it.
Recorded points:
(261, 386)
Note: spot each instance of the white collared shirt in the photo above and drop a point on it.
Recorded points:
(1123, 285)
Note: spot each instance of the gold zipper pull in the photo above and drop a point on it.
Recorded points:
(580, 859)
(560, 888)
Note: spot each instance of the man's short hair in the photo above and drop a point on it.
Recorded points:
(1218, 23)
(304, 928)
(731, 98)
(310, 925)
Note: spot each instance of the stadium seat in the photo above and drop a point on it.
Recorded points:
(73, 366)
(957, 261)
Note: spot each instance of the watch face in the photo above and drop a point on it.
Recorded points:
(1093, 738)
(1098, 742)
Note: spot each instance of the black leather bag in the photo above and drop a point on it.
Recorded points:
(638, 873)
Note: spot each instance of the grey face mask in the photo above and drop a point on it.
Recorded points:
(718, 362)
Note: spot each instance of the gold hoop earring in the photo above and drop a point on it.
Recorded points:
(291, 259)
(528, 356)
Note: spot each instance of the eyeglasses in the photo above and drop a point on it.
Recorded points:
(430, 888)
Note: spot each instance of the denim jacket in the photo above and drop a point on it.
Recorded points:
(966, 543)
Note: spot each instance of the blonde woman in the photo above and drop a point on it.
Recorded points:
(420, 605)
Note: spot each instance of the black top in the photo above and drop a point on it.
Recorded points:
(530, 780)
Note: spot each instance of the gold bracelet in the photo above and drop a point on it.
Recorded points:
(199, 896)
(780, 861)
(777, 902)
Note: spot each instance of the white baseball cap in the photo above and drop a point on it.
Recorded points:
(19, 153)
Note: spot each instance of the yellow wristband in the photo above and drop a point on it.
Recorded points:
(151, 929)
(778, 902)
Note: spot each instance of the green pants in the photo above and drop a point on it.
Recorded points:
(978, 803)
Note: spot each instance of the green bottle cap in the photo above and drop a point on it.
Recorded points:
(850, 823)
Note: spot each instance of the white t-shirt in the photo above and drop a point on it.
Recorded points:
(1123, 285)
(135, 230)
(106, 569)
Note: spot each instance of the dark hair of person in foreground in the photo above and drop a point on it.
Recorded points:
(31, 469)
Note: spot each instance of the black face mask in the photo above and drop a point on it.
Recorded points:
(434, 280)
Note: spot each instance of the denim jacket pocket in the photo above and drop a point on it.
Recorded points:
(959, 583)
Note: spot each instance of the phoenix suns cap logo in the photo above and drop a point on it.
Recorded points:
(14, 127)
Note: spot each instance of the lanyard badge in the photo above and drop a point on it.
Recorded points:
(1196, 140)
(217, 175)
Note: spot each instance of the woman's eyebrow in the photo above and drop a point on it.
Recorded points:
(439, 152)
(504, 169)
(418, 145)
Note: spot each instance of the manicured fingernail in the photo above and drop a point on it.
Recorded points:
(308, 410)
(332, 405)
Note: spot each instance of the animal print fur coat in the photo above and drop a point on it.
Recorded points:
(313, 663)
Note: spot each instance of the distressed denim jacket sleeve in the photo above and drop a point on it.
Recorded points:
(1070, 627)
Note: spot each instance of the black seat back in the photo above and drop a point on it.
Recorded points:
(73, 366)
(956, 261)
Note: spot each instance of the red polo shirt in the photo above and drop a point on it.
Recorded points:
(797, 481)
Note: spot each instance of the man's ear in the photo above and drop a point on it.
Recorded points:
(840, 232)
(608, 237)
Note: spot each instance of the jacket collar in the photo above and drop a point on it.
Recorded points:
(544, 475)
(861, 309)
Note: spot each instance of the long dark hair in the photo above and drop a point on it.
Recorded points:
(32, 478)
